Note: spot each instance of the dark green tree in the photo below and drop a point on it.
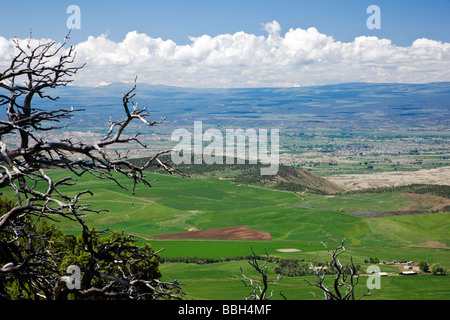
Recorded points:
(112, 265)
(423, 265)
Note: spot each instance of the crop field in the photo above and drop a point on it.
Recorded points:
(177, 204)
(223, 281)
(294, 221)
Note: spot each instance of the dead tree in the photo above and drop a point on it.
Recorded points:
(345, 276)
(259, 287)
(33, 70)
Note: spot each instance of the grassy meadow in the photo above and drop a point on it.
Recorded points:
(294, 220)
(222, 281)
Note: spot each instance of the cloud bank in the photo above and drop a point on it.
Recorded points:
(298, 57)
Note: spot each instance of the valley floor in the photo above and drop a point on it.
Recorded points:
(438, 176)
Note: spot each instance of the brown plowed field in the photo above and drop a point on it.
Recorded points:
(230, 233)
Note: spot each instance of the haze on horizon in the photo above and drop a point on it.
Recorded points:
(306, 52)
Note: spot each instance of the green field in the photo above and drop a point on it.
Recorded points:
(295, 221)
(176, 204)
(222, 281)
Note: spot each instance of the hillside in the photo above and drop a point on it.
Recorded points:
(288, 178)
(301, 177)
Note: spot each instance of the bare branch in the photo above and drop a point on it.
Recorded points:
(34, 69)
(341, 276)
(259, 288)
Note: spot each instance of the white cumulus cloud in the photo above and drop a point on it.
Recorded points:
(297, 57)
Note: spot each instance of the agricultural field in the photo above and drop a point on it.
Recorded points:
(392, 225)
(223, 281)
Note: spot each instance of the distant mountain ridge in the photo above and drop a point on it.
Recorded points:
(360, 103)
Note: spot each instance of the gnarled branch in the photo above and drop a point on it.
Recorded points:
(33, 70)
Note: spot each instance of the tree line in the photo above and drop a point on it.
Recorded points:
(284, 267)
(431, 189)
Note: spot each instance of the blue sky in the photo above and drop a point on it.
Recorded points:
(402, 21)
(243, 43)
